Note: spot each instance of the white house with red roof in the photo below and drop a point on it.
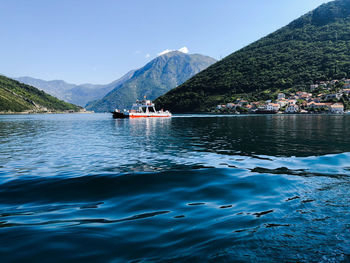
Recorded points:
(337, 108)
(273, 107)
(292, 108)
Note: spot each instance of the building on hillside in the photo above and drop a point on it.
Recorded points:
(257, 104)
(336, 96)
(306, 96)
(337, 108)
(317, 100)
(230, 105)
(345, 91)
(282, 102)
(316, 105)
(249, 107)
(242, 103)
(281, 96)
(292, 108)
(272, 107)
(346, 81)
(303, 95)
(292, 101)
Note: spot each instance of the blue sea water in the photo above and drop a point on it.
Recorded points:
(192, 188)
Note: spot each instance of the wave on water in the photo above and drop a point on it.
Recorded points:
(175, 190)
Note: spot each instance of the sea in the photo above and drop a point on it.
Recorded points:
(191, 188)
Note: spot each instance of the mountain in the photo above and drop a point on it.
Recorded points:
(154, 79)
(76, 94)
(314, 47)
(19, 97)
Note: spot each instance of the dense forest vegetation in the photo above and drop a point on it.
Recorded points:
(312, 48)
(18, 97)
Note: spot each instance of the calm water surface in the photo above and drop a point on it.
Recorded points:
(186, 189)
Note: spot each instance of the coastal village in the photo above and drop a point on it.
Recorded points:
(322, 97)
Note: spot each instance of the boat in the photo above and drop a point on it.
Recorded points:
(141, 109)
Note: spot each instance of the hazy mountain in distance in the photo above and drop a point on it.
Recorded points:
(160, 75)
(72, 93)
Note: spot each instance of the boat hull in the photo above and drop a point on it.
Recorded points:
(122, 115)
(149, 116)
(119, 115)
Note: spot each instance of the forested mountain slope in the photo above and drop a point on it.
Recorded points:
(314, 47)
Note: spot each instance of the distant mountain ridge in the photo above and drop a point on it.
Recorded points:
(19, 97)
(72, 93)
(313, 47)
(153, 80)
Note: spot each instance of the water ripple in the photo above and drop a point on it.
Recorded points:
(191, 188)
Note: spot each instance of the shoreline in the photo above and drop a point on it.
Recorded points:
(279, 114)
(33, 113)
(254, 113)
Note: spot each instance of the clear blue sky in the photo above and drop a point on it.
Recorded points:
(97, 41)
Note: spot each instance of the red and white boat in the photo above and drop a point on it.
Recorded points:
(141, 109)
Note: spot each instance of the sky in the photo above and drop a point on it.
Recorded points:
(98, 41)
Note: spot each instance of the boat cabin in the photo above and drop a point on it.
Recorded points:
(144, 106)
